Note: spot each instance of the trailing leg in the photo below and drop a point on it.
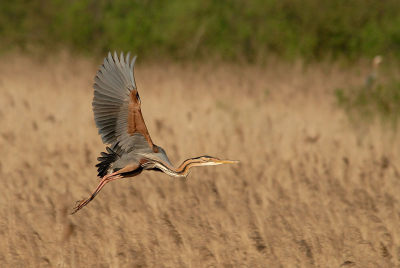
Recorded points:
(106, 179)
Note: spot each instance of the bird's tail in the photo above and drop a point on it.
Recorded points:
(107, 159)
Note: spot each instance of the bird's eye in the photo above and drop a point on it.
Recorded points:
(138, 98)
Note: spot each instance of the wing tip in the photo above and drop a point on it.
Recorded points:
(133, 61)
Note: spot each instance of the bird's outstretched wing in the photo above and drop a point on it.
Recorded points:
(116, 105)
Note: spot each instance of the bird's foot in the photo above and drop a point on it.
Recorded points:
(80, 204)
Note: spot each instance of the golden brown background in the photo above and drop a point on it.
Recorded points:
(311, 190)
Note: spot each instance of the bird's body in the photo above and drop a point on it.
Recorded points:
(118, 117)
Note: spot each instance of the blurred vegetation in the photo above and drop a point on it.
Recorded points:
(380, 102)
(231, 30)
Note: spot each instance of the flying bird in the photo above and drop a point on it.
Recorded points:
(373, 75)
(119, 119)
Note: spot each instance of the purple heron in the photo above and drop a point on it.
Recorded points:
(118, 117)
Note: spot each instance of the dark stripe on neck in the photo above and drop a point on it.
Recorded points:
(186, 165)
(182, 169)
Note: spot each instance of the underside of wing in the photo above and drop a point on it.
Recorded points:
(116, 104)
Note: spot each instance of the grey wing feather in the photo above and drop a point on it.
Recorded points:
(160, 155)
(163, 155)
(136, 143)
(113, 84)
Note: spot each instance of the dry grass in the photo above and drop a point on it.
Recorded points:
(310, 191)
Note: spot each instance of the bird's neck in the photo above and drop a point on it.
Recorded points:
(182, 171)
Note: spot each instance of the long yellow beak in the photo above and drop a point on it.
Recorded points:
(227, 161)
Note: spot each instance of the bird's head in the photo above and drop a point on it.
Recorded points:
(206, 160)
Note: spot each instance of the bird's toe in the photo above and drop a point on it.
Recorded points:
(78, 205)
